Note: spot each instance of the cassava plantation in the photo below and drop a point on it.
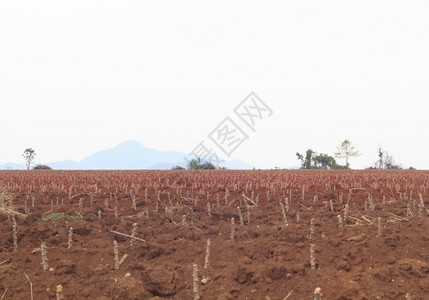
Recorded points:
(216, 234)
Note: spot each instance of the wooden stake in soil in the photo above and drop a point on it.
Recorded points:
(208, 210)
(317, 294)
(340, 221)
(346, 212)
(409, 209)
(69, 243)
(379, 227)
(80, 205)
(370, 203)
(133, 199)
(44, 258)
(59, 293)
(312, 259)
(240, 216)
(284, 213)
(115, 251)
(286, 204)
(133, 234)
(15, 239)
(232, 229)
(99, 214)
(195, 280)
(303, 193)
(207, 259)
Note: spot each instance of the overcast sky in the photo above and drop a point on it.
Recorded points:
(77, 77)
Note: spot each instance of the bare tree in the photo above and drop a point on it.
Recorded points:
(385, 161)
(346, 150)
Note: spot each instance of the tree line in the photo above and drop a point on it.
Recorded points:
(313, 160)
(346, 150)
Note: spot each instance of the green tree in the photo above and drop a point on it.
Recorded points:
(197, 164)
(313, 160)
(346, 150)
(29, 155)
(306, 162)
(299, 156)
(324, 161)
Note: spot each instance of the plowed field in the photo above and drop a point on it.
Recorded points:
(380, 251)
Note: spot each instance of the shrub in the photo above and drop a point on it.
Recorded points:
(42, 167)
(197, 164)
(178, 168)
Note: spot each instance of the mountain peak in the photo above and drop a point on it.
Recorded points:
(130, 143)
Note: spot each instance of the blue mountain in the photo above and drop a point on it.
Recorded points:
(131, 155)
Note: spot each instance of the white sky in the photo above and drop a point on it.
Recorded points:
(81, 76)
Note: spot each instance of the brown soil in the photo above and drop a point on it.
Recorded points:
(266, 260)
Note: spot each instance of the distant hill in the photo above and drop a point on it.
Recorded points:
(129, 155)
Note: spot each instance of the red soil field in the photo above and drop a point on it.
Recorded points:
(380, 251)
